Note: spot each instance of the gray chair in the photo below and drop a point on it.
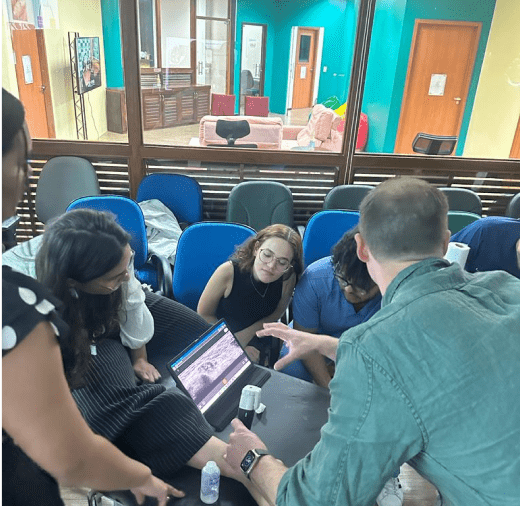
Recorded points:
(513, 208)
(247, 83)
(346, 196)
(462, 199)
(259, 204)
(63, 179)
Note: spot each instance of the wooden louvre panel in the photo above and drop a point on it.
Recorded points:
(495, 189)
(309, 185)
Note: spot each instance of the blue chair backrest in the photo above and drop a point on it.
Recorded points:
(202, 248)
(324, 229)
(457, 220)
(180, 193)
(129, 216)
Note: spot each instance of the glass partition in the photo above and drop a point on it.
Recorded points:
(62, 58)
(448, 68)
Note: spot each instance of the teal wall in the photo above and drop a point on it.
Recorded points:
(338, 18)
(454, 10)
(112, 43)
(381, 70)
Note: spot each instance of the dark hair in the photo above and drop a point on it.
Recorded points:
(244, 254)
(404, 218)
(346, 262)
(13, 116)
(82, 245)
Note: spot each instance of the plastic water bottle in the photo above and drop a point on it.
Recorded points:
(210, 483)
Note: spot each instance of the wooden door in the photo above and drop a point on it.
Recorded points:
(515, 148)
(305, 67)
(441, 63)
(33, 82)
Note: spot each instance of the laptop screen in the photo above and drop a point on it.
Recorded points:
(211, 365)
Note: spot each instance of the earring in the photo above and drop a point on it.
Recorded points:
(73, 293)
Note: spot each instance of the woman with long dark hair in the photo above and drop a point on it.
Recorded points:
(85, 259)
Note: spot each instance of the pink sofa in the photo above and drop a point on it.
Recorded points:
(265, 132)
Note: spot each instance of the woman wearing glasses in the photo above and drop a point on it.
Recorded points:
(255, 286)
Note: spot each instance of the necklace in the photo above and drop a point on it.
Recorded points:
(256, 289)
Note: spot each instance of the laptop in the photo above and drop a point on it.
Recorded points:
(213, 371)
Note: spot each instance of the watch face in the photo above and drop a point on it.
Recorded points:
(247, 461)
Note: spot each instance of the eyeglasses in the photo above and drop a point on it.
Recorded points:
(113, 284)
(344, 283)
(266, 256)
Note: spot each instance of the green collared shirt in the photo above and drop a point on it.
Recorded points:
(433, 379)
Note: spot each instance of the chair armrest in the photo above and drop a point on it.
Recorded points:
(164, 275)
(290, 132)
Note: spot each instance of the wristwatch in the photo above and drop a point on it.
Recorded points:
(251, 459)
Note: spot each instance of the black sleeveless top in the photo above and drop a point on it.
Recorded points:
(249, 300)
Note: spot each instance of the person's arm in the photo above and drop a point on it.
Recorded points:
(371, 431)
(300, 344)
(143, 369)
(135, 320)
(218, 286)
(41, 416)
(245, 335)
(267, 472)
(314, 362)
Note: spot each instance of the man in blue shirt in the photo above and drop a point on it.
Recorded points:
(428, 380)
(494, 243)
(333, 295)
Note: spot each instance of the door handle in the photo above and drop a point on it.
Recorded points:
(457, 99)
(43, 88)
(200, 68)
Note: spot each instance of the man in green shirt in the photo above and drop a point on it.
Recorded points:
(432, 379)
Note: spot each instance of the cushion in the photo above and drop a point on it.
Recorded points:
(323, 127)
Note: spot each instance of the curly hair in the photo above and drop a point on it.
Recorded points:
(347, 263)
(244, 255)
(82, 245)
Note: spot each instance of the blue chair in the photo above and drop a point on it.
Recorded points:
(324, 229)
(457, 220)
(150, 269)
(462, 199)
(181, 194)
(202, 248)
(346, 196)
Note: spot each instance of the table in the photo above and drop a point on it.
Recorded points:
(290, 427)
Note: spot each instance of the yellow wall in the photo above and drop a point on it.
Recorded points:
(85, 18)
(8, 71)
(496, 110)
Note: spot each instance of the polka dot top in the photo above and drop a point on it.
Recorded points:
(26, 303)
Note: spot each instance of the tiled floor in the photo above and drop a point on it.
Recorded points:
(417, 491)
